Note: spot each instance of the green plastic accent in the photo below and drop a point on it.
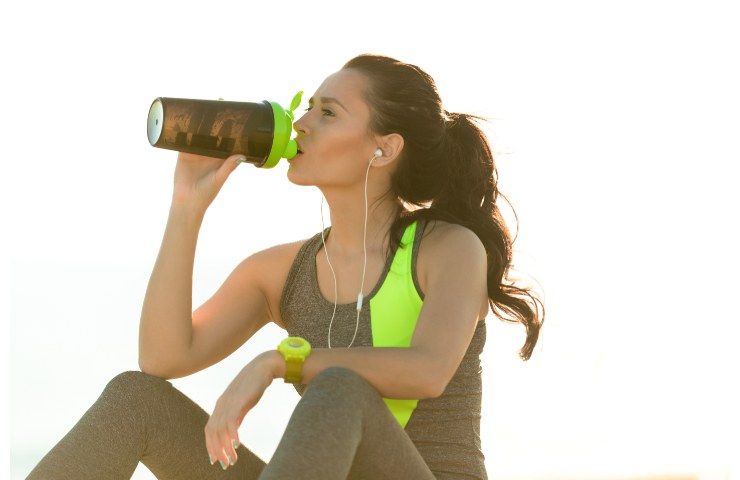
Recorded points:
(294, 350)
(394, 311)
(282, 145)
(295, 347)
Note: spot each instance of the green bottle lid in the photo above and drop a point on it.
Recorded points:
(282, 145)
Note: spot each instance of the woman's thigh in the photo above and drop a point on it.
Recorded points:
(341, 428)
(385, 450)
(175, 431)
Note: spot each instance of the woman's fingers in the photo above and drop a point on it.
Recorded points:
(229, 435)
(215, 448)
(222, 443)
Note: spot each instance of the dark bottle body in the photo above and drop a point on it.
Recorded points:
(213, 128)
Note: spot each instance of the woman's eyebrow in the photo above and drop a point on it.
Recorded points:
(329, 100)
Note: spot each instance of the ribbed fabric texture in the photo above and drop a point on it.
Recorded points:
(446, 429)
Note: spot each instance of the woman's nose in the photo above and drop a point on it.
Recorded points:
(300, 124)
(298, 127)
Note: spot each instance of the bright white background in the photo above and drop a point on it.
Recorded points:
(615, 134)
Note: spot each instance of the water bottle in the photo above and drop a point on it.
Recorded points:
(217, 128)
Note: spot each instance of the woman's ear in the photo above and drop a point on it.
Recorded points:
(390, 146)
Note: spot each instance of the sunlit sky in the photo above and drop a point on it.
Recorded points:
(614, 130)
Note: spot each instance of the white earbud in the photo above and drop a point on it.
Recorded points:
(378, 153)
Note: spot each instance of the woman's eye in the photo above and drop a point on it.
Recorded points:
(324, 110)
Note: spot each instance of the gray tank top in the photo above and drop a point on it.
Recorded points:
(446, 429)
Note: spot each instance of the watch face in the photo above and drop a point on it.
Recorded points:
(295, 347)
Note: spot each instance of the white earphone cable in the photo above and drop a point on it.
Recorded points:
(378, 152)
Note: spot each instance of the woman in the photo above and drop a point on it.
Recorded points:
(408, 410)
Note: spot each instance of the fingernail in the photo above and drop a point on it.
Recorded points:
(223, 465)
(235, 444)
(210, 459)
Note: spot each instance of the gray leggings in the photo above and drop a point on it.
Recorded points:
(340, 429)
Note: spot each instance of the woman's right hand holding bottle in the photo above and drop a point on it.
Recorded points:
(198, 179)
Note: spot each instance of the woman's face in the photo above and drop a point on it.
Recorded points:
(332, 134)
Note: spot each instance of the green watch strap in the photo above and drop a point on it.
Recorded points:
(293, 370)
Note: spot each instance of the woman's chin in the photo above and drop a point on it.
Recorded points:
(295, 178)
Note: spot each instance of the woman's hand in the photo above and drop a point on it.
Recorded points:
(198, 178)
(242, 394)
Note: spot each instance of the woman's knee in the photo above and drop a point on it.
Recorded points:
(133, 383)
(135, 377)
(341, 382)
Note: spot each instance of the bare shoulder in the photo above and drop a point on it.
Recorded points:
(444, 239)
(277, 262)
(439, 233)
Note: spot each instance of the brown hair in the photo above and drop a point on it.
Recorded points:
(446, 160)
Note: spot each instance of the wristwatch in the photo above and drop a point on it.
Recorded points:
(294, 350)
